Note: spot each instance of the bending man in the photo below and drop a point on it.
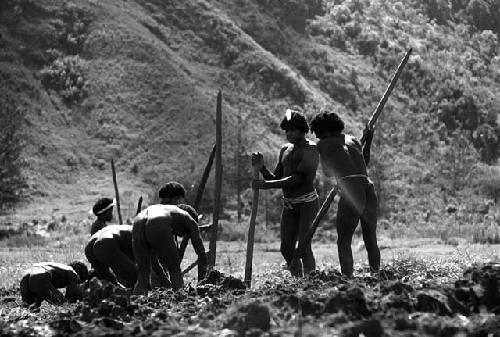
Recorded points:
(153, 236)
(343, 157)
(42, 281)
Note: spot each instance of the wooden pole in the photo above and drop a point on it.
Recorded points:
(238, 168)
(251, 232)
(218, 181)
(197, 200)
(117, 194)
(139, 206)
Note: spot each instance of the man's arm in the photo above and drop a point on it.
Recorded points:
(197, 243)
(307, 166)
(368, 136)
(73, 290)
(258, 160)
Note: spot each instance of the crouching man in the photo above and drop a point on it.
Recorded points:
(110, 253)
(43, 280)
(153, 237)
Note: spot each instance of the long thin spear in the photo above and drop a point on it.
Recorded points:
(139, 206)
(117, 194)
(199, 194)
(331, 195)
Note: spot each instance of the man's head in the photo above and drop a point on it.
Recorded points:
(172, 193)
(190, 210)
(103, 209)
(81, 269)
(326, 123)
(295, 126)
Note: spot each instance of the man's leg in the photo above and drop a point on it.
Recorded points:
(41, 285)
(347, 221)
(369, 227)
(308, 212)
(97, 253)
(162, 242)
(289, 231)
(27, 296)
(142, 255)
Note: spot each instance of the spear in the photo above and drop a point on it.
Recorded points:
(117, 195)
(197, 200)
(139, 206)
(331, 195)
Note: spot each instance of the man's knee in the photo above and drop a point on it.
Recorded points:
(105, 251)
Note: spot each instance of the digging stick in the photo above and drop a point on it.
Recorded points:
(192, 265)
(117, 194)
(218, 181)
(197, 200)
(251, 232)
(387, 93)
(139, 206)
(331, 195)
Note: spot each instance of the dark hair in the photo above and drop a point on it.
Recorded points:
(100, 205)
(172, 189)
(294, 120)
(327, 122)
(190, 210)
(81, 269)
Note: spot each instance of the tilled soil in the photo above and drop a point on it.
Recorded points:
(396, 302)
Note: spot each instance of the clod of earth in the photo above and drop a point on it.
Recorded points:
(245, 317)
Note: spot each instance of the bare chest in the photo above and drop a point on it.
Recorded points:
(291, 158)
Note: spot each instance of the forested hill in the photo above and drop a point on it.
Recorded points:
(86, 81)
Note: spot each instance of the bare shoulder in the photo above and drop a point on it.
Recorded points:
(310, 142)
(311, 145)
(286, 147)
(351, 140)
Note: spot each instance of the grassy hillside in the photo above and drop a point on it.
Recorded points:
(136, 81)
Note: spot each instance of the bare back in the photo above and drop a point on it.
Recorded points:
(341, 155)
(61, 275)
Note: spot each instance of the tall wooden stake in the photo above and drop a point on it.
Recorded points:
(218, 181)
(117, 194)
(251, 232)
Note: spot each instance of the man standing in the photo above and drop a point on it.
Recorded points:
(294, 174)
(343, 157)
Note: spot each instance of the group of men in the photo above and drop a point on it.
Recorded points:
(139, 256)
(342, 157)
(145, 254)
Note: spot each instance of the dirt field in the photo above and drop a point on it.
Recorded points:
(422, 291)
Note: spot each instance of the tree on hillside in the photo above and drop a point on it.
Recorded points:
(11, 179)
(485, 14)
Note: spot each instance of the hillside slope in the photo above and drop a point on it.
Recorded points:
(136, 81)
